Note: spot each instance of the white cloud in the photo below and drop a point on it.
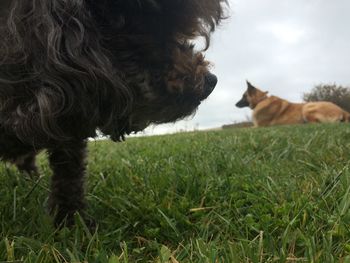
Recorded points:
(285, 33)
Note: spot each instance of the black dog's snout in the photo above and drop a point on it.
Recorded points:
(210, 82)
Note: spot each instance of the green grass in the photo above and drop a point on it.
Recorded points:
(277, 194)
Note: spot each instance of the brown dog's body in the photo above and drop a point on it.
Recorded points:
(272, 110)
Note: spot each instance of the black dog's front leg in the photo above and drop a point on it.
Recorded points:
(67, 187)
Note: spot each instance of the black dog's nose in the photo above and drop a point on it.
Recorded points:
(210, 82)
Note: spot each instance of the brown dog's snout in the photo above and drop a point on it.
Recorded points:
(242, 103)
(210, 81)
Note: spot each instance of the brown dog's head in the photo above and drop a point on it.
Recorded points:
(251, 97)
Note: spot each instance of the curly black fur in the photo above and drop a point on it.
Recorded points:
(69, 68)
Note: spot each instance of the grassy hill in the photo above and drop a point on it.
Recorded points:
(277, 194)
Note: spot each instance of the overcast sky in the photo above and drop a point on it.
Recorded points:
(283, 46)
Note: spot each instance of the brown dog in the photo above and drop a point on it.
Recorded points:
(272, 110)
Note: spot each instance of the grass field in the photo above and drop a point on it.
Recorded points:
(239, 195)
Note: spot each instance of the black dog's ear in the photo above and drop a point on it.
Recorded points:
(251, 89)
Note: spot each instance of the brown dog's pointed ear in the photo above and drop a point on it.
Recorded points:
(251, 88)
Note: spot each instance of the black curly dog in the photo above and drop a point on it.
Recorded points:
(71, 67)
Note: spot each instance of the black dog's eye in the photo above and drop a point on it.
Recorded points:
(157, 75)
